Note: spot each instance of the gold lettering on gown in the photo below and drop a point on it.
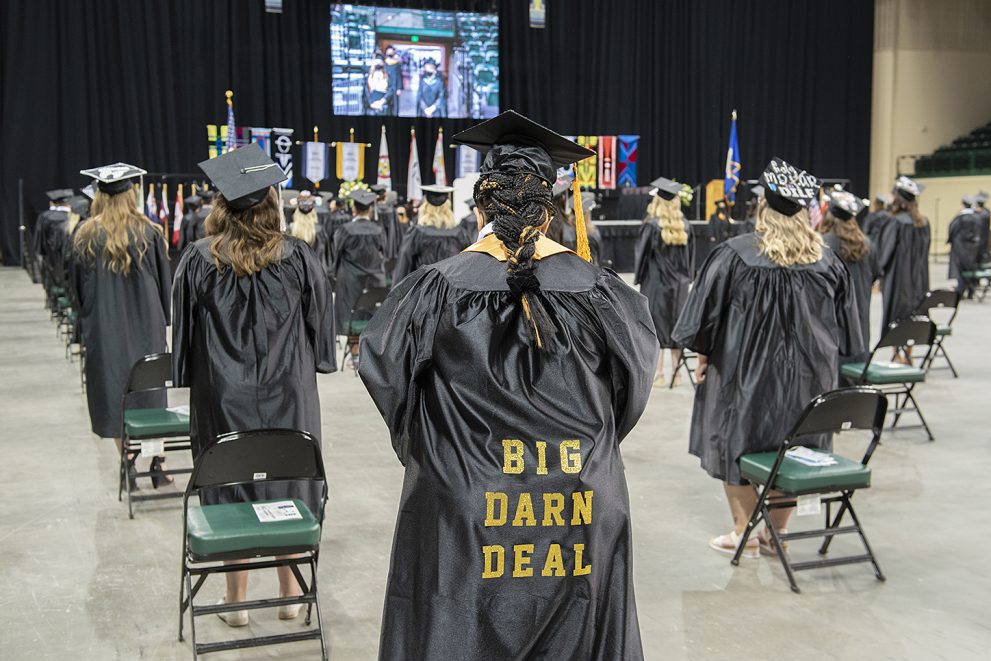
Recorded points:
(491, 498)
(521, 562)
(493, 561)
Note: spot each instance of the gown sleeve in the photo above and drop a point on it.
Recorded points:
(318, 313)
(163, 273)
(642, 254)
(183, 312)
(888, 245)
(632, 345)
(851, 341)
(396, 348)
(699, 324)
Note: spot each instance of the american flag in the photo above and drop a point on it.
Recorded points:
(231, 129)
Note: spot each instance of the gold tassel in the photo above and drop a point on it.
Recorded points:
(581, 232)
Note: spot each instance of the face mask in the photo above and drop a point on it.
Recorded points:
(306, 207)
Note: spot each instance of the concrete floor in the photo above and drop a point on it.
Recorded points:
(81, 581)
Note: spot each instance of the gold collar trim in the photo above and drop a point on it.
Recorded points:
(491, 245)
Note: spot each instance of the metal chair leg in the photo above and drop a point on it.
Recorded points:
(863, 538)
(755, 519)
(922, 419)
(782, 553)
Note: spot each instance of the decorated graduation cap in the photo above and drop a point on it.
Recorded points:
(362, 198)
(844, 204)
(515, 144)
(664, 188)
(787, 189)
(907, 189)
(243, 176)
(437, 195)
(114, 179)
(59, 194)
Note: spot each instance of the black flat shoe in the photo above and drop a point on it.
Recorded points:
(158, 476)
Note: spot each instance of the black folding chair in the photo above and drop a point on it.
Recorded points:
(683, 362)
(142, 427)
(364, 309)
(896, 379)
(212, 534)
(940, 299)
(836, 411)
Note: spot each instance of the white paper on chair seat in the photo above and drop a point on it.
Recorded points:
(810, 457)
(152, 448)
(181, 410)
(283, 510)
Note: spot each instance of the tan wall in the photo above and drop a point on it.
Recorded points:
(932, 78)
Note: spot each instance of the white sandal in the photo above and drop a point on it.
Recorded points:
(727, 545)
(233, 618)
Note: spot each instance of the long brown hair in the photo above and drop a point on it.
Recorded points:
(911, 207)
(787, 240)
(670, 219)
(853, 243)
(246, 240)
(118, 226)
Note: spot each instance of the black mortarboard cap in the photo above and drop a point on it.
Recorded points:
(79, 205)
(968, 200)
(665, 188)
(512, 143)
(243, 176)
(844, 204)
(907, 188)
(981, 197)
(378, 189)
(192, 200)
(437, 195)
(471, 203)
(59, 194)
(114, 179)
(362, 198)
(787, 189)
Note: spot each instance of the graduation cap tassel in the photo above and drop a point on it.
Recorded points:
(581, 232)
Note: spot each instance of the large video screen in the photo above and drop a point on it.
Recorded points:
(414, 62)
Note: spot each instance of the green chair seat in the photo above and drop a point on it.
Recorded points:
(153, 423)
(63, 302)
(58, 291)
(796, 477)
(977, 275)
(230, 527)
(884, 373)
(944, 330)
(357, 326)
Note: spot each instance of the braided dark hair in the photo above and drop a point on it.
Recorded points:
(517, 205)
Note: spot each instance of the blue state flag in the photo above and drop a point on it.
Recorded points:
(732, 164)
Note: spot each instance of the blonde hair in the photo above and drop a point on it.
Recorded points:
(669, 217)
(118, 226)
(787, 240)
(304, 226)
(247, 240)
(74, 219)
(441, 217)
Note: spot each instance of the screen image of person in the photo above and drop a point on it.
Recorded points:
(431, 97)
(379, 93)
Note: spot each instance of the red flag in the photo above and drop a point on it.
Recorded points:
(607, 161)
(177, 216)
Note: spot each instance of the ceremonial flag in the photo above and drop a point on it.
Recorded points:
(440, 170)
(413, 183)
(538, 13)
(231, 128)
(315, 161)
(215, 140)
(350, 164)
(732, 178)
(163, 210)
(282, 145)
(607, 162)
(468, 161)
(151, 205)
(177, 216)
(627, 160)
(384, 169)
(262, 137)
(587, 170)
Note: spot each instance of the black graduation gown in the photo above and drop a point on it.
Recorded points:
(965, 244)
(862, 277)
(874, 224)
(387, 218)
(357, 261)
(426, 245)
(469, 229)
(320, 245)
(719, 230)
(664, 273)
(249, 349)
(49, 233)
(195, 228)
(569, 239)
(123, 319)
(903, 258)
(984, 217)
(432, 92)
(773, 336)
(451, 366)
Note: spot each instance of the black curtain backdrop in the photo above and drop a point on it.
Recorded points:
(88, 83)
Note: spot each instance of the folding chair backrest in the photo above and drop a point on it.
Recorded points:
(908, 332)
(840, 410)
(153, 372)
(254, 456)
(938, 298)
(370, 300)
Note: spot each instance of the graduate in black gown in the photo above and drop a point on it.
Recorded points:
(195, 228)
(903, 256)
(435, 236)
(385, 215)
(471, 224)
(964, 237)
(431, 96)
(719, 223)
(769, 315)
(49, 233)
(190, 207)
(307, 226)
(873, 222)
(663, 266)
(123, 278)
(508, 375)
(253, 326)
(357, 261)
(984, 216)
(569, 228)
(843, 236)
